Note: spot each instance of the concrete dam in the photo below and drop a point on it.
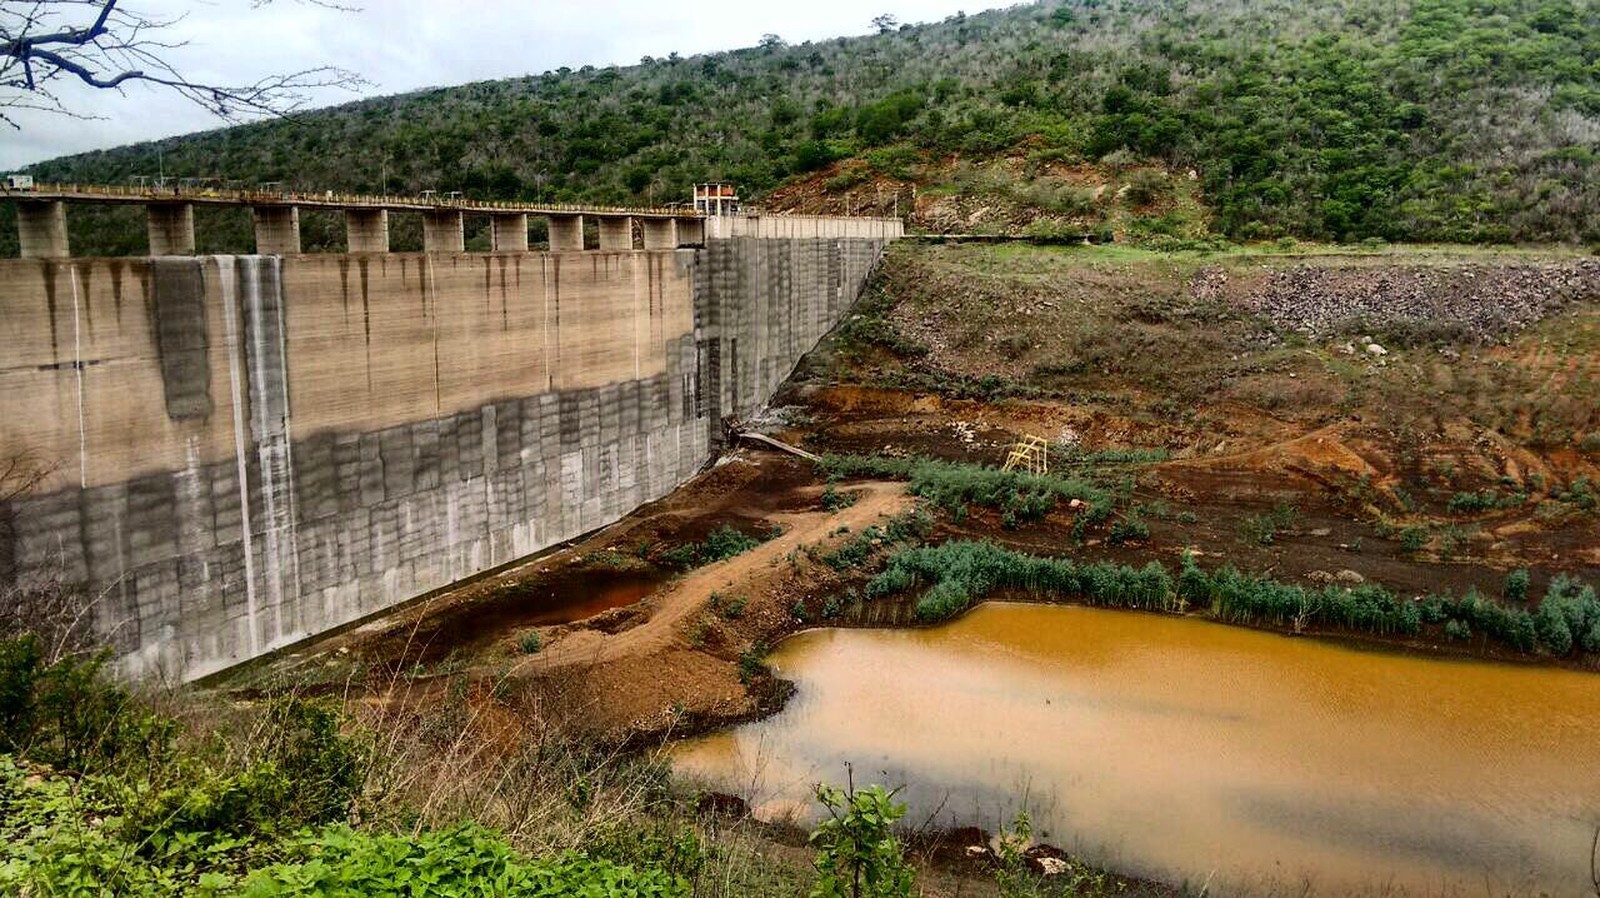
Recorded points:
(247, 451)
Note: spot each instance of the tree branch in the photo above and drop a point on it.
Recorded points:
(116, 49)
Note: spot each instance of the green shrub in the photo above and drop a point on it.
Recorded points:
(1582, 494)
(1262, 529)
(1194, 587)
(911, 526)
(834, 500)
(1512, 626)
(962, 572)
(466, 861)
(46, 848)
(71, 714)
(1368, 608)
(1458, 630)
(1567, 616)
(1472, 503)
(1516, 588)
(858, 855)
(1413, 539)
(1146, 187)
(955, 486)
(753, 663)
(1555, 636)
(1128, 530)
(730, 609)
(723, 542)
(532, 643)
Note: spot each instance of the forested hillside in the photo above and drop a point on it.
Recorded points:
(1452, 120)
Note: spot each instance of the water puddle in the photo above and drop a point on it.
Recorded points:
(1185, 750)
(561, 597)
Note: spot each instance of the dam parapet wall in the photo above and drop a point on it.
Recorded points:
(248, 451)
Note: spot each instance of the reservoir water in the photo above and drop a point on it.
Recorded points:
(1192, 751)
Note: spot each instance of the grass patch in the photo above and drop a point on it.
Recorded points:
(912, 526)
(729, 609)
(1262, 529)
(753, 663)
(954, 486)
(834, 501)
(723, 542)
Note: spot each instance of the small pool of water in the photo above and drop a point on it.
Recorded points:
(1188, 750)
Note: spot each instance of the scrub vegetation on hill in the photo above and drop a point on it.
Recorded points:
(1439, 120)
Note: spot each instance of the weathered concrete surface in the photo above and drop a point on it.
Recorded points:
(42, 229)
(443, 232)
(802, 226)
(277, 230)
(509, 233)
(170, 229)
(252, 450)
(616, 234)
(366, 230)
(566, 233)
(659, 233)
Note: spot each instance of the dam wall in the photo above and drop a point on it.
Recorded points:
(247, 451)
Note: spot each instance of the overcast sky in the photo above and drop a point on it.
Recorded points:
(402, 45)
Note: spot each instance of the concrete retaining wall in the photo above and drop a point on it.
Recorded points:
(250, 450)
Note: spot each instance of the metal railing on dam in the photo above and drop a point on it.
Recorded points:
(115, 193)
(42, 220)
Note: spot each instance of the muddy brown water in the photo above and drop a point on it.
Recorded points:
(565, 597)
(1195, 752)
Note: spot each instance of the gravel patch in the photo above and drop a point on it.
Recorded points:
(1475, 303)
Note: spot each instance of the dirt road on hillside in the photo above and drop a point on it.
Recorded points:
(681, 601)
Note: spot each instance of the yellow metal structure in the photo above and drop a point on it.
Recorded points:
(1031, 454)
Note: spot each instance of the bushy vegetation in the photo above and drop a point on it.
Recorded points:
(1243, 599)
(1018, 496)
(910, 526)
(1262, 529)
(1335, 119)
(959, 573)
(723, 542)
(834, 500)
(1516, 587)
(956, 574)
(1568, 617)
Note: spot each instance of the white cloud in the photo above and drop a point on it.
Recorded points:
(402, 45)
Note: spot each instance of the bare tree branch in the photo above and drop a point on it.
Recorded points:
(105, 45)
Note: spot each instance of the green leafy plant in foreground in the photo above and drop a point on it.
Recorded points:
(858, 855)
(467, 861)
(102, 795)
